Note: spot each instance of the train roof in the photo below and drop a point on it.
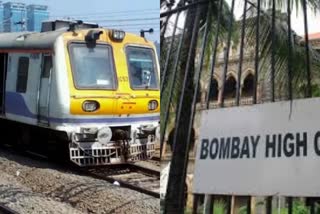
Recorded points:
(29, 40)
(42, 40)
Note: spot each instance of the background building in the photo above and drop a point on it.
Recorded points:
(315, 41)
(14, 17)
(1, 17)
(35, 15)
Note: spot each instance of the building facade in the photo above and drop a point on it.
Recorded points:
(215, 97)
(314, 39)
(1, 17)
(36, 14)
(14, 17)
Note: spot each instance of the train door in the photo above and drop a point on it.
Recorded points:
(44, 90)
(3, 69)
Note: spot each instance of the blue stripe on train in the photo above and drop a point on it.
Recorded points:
(15, 104)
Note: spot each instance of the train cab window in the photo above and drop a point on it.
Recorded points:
(47, 66)
(142, 68)
(92, 67)
(22, 78)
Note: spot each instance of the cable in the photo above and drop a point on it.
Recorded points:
(121, 20)
(127, 20)
(115, 12)
(104, 15)
(136, 24)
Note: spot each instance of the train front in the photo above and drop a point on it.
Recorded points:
(114, 97)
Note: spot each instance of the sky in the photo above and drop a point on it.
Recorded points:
(296, 19)
(128, 15)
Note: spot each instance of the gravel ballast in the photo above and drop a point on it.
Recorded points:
(31, 186)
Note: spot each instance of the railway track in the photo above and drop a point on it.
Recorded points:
(154, 161)
(138, 178)
(156, 158)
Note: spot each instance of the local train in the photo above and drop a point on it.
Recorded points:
(95, 89)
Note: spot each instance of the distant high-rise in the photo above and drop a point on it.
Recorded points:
(1, 17)
(36, 14)
(14, 17)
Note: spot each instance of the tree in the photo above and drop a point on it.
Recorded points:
(197, 18)
(196, 15)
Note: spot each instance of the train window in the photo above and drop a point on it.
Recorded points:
(92, 67)
(22, 78)
(46, 67)
(142, 68)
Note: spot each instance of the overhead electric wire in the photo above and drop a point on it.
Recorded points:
(108, 12)
(129, 20)
(105, 15)
(128, 27)
(125, 20)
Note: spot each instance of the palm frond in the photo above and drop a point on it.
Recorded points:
(314, 5)
(299, 73)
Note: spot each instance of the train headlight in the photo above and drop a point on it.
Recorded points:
(104, 135)
(153, 105)
(90, 106)
(117, 35)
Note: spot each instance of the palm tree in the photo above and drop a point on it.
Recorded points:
(186, 72)
(299, 72)
(195, 19)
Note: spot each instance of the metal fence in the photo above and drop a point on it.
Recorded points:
(196, 36)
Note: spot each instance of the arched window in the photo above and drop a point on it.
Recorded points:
(247, 89)
(230, 88)
(213, 94)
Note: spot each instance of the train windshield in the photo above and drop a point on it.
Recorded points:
(142, 68)
(92, 68)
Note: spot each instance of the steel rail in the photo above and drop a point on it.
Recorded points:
(122, 183)
(84, 171)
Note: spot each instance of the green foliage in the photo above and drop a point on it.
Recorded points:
(220, 207)
(298, 208)
(243, 210)
(188, 210)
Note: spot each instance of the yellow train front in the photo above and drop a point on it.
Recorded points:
(100, 87)
(114, 77)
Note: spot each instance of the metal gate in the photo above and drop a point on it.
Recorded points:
(197, 50)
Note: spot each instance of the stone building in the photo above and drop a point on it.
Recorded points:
(315, 41)
(247, 90)
(247, 81)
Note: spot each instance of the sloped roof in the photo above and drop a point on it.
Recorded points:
(29, 40)
(314, 36)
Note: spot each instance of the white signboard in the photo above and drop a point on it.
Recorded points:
(267, 149)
